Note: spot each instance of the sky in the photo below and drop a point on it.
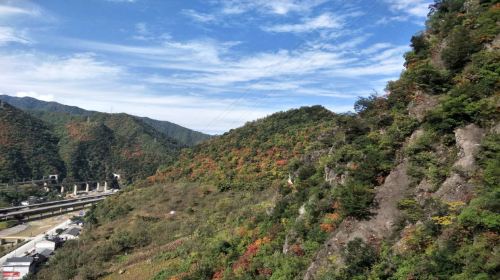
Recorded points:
(209, 65)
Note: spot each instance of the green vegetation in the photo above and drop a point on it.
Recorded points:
(260, 201)
(28, 148)
(79, 147)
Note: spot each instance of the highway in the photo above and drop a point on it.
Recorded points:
(15, 208)
(53, 207)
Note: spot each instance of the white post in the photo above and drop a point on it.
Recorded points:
(87, 187)
(105, 186)
(75, 190)
(62, 189)
(98, 187)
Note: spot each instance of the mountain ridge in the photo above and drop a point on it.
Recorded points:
(182, 134)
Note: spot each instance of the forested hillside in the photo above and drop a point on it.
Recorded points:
(407, 187)
(80, 147)
(28, 148)
(56, 113)
(94, 147)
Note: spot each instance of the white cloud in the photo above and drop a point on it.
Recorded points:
(143, 33)
(10, 35)
(77, 67)
(387, 20)
(323, 21)
(33, 94)
(13, 10)
(416, 8)
(279, 7)
(375, 48)
(9, 9)
(200, 17)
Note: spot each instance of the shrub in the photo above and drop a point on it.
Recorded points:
(459, 49)
(359, 257)
(356, 199)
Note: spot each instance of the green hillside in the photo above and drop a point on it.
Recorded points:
(54, 112)
(405, 188)
(95, 146)
(80, 147)
(28, 148)
(183, 135)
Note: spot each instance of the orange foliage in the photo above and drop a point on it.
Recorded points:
(282, 162)
(333, 216)
(218, 275)
(241, 231)
(353, 166)
(327, 227)
(297, 250)
(244, 261)
(134, 152)
(336, 205)
(77, 131)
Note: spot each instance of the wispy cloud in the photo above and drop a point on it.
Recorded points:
(13, 8)
(6, 10)
(198, 16)
(416, 8)
(77, 67)
(279, 7)
(323, 21)
(10, 35)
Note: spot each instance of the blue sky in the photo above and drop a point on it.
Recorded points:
(209, 65)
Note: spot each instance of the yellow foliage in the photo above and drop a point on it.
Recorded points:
(455, 205)
(444, 220)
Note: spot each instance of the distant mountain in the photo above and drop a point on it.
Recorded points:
(97, 145)
(29, 103)
(79, 146)
(28, 148)
(183, 135)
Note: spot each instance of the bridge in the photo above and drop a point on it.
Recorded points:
(49, 208)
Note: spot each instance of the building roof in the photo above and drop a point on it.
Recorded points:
(45, 241)
(72, 231)
(46, 252)
(18, 261)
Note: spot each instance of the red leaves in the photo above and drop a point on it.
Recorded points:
(282, 162)
(244, 261)
(218, 275)
(297, 250)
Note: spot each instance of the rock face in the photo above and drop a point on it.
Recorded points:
(468, 140)
(421, 105)
(372, 231)
(456, 187)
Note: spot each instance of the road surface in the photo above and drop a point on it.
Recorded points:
(30, 246)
